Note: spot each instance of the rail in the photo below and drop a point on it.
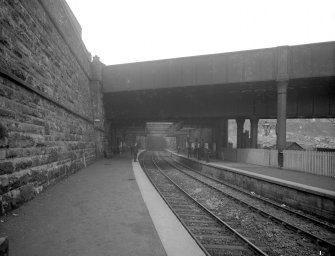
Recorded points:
(250, 245)
(266, 201)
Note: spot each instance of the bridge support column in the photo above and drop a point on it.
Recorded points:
(240, 124)
(221, 137)
(254, 131)
(96, 90)
(218, 139)
(225, 133)
(281, 120)
(109, 139)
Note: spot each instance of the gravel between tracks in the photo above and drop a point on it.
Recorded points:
(275, 211)
(277, 238)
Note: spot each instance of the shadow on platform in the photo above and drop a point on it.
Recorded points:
(96, 211)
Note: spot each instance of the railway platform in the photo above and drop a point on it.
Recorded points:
(303, 191)
(304, 180)
(96, 211)
(317, 182)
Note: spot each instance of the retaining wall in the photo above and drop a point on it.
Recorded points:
(46, 107)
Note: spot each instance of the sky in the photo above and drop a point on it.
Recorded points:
(124, 31)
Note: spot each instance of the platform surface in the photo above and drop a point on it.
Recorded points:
(97, 211)
(306, 179)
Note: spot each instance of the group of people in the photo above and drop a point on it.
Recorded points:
(123, 148)
(198, 150)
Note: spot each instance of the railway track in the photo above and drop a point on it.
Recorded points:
(213, 235)
(320, 231)
(264, 225)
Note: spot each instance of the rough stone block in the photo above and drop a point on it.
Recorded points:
(23, 164)
(6, 92)
(4, 113)
(6, 167)
(17, 140)
(4, 181)
(27, 192)
(46, 129)
(39, 176)
(2, 154)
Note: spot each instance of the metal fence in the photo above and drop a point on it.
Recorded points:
(320, 163)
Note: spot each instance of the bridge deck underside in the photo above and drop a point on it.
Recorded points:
(306, 98)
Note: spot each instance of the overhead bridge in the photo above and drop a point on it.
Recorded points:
(235, 84)
(252, 66)
(281, 82)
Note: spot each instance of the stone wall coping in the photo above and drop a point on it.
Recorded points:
(59, 29)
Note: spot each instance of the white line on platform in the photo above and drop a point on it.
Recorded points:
(175, 239)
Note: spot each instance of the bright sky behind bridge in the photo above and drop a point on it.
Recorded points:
(123, 31)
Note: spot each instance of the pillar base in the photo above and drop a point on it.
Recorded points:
(280, 159)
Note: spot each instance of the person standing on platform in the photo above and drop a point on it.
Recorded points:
(206, 152)
(131, 150)
(188, 149)
(135, 151)
(195, 155)
(199, 151)
(192, 149)
(202, 150)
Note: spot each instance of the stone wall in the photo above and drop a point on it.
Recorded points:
(47, 128)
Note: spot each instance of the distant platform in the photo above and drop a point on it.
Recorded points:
(304, 191)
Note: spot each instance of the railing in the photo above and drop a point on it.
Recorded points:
(320, 163)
